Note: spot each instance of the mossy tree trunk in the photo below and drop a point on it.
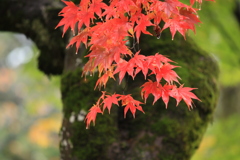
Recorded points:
(159, 134)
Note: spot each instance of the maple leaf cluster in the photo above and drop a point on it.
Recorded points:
(106, 101)
(105, 28)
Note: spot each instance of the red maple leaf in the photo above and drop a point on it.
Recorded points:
(109, 101)
(157, 90)
(97, 6)
(124, 67)
(102, 81)
(130, 104)
(84, 17)
(124, 6)
(100, 57)
(81, 37)
(110, 12)
(158, 58)
(190, 18)
(139, 62)
(153, 88)
(156, 61)
(176, 24)
(169, 7)
(166, 72)
(70, 17)
(142, 23)
(92, 114)
(166, 90)
(185, 94)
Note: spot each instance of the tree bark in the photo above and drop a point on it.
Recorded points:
(159, 134)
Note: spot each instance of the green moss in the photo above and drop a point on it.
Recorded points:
(78, 95)
(92, 143)
(76, 91)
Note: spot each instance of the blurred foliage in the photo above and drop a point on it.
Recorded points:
(221, 142)
(219, 34)
(30, 103)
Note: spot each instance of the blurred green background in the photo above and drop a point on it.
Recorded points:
(219, 35)
(30, 102)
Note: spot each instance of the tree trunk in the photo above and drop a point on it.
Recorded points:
(159, 134)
